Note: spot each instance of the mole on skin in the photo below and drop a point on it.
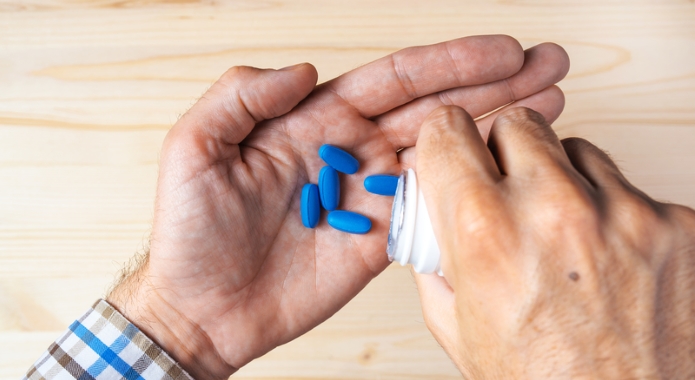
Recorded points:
(574, 276)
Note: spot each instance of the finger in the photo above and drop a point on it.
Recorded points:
(414, 72)
(450, 147)
(457, 175)
(244, 96)
(544, 65)
(549, 103)
(524, 144)
(593, 163)
(439, 311)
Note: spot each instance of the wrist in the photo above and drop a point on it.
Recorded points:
(140, 302)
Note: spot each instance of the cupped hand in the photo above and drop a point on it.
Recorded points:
(232, 272)
(555, 266)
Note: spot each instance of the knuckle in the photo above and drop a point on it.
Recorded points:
(681, 213)
(525, 121)
(481, 220)
(444, 116)
(520, 116)
(439, 140)
(582, 208)
(639, 215)
(576, 144)
(403, 76)
(587, 157)
(682, 218)
(567, 204)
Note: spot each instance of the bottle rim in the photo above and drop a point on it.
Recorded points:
(397, 212)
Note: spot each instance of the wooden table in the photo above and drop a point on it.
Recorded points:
(88, 89)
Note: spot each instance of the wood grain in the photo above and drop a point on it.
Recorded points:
(88, 89)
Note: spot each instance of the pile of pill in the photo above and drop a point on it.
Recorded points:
(327, 193)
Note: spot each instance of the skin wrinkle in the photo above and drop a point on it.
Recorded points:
(445, 99)
(146, 317)
(312, 114)
(510, 92)
(184, 181)
(234, 98)
(196, 326)
(241, 195)
(387, 127)
(267, 134)
(293, 162)
(283, 288)
(372, 271)
(453, 65)
(404, 79)
(251, 205)
(238, 97)
(273, 163)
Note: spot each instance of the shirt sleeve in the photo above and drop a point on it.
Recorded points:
(104, 345)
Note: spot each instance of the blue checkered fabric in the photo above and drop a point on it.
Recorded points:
(103, 345)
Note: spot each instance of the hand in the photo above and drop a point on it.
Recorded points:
(232, 273)
(555, 266)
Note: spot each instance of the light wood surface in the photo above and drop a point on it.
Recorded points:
(88, 89)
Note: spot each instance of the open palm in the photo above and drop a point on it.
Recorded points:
(232, 271)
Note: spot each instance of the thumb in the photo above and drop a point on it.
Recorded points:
(439, 310)
(244, 96)
(438, 303)
(455, 171)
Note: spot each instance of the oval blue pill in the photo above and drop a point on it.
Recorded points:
(350, 222)
(310, 206)
(329, 188)
(382, 184)
(339, 159)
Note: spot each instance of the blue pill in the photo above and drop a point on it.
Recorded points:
(339, 159)
(310, 206)
(329, 188)
(382, 184)
(350, 222)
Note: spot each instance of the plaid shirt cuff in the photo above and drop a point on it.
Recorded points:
(103, 344)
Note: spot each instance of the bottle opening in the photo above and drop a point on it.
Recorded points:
(397, 212)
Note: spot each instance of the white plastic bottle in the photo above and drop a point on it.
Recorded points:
(411, 237)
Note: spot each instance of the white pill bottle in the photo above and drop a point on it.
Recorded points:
(411, 237)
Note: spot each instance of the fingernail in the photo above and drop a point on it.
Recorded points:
(290, 68)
